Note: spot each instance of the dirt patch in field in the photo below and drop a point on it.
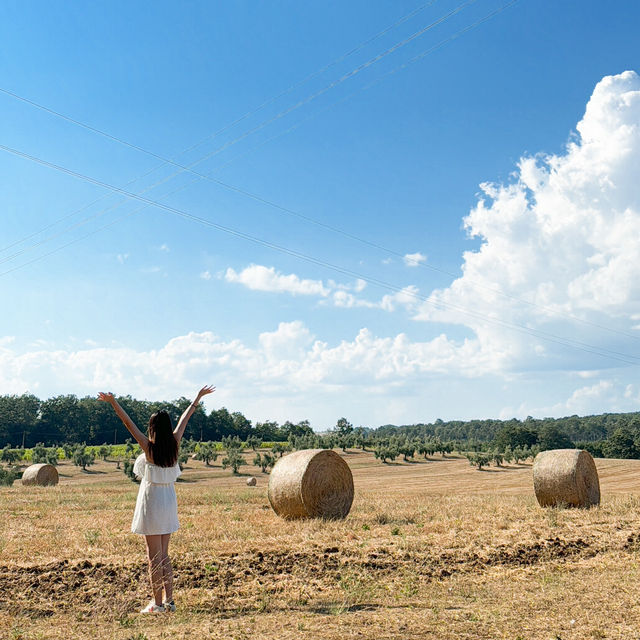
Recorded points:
(254, 580)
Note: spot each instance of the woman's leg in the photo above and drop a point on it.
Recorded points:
(167, 569)
(154, 554)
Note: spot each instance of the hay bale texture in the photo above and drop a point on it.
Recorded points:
(566, 477)
(312, 483)
(251, 482)
(41, 475)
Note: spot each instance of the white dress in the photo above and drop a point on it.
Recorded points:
(156, 507)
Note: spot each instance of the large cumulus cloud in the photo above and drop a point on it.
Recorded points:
(560, 249)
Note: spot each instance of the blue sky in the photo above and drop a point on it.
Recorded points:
(155, 305)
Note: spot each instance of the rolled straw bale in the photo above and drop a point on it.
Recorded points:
(312, 483)
(42, 475)
(566, 477)
(251, 482)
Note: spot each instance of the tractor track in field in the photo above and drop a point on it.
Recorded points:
(41, 590)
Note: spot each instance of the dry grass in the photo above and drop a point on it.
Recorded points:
(430, 550)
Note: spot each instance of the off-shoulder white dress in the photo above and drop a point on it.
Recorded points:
(156, 508)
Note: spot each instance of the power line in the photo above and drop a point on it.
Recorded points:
(189, 168)
(281, 114)
(309, 219)
(543, 335)
(246, 115)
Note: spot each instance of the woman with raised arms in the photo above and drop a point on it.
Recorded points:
(156, 513)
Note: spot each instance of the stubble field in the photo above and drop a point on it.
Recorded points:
(431, 549)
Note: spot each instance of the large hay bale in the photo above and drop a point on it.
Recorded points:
(312, 483)
(42, 475)
(566, 477)
(251, 482)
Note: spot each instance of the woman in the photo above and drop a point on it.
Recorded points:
(156, 513)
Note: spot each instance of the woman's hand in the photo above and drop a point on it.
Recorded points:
(106, 397)
(205, 391)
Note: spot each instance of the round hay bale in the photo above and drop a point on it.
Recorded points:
(41, 475)
(252, 482)
(566, 477)
(312, 483)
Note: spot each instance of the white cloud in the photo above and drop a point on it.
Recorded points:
(206, 275)
(122, 257)
(560, 240)
(406, 298)
(261, 278)
(360, 285)
(414, 259)
(164, 247)
(288, 363)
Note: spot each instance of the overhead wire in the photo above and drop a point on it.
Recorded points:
(189, 168)
(310, 219)
(543, 335)
(278, 116)
(216, 133)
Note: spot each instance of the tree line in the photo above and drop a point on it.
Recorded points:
(608, 435)
(25, 421)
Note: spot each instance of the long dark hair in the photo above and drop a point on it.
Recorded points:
(162, 443)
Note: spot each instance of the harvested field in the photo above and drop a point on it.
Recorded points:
(430, 549)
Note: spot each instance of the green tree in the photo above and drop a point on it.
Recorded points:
(343, 427)
(206, 451)
(198, 426)
(40, 453)
(279, 448)
(621, 444)
(104, 451)
(233, 459)
(66, 417)
(478, 459)
(82, 458)
(220, 424)
(385, 452)
(264, 461)
(129, 448)
(552, 437)
(183, 458)
(269, 431)
(408, 450)
(19, 419)
(301, 429)
(127, 468)
(8, 476)
(513, 435)
(9, 455)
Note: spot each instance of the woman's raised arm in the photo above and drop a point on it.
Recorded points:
(188, 412)
(140, 438)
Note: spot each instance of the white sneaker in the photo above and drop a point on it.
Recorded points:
(152, 607)
(169, 605)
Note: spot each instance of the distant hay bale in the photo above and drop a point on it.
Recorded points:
(251, 482)
(312, 483)
(566, 477)
(41, 475)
